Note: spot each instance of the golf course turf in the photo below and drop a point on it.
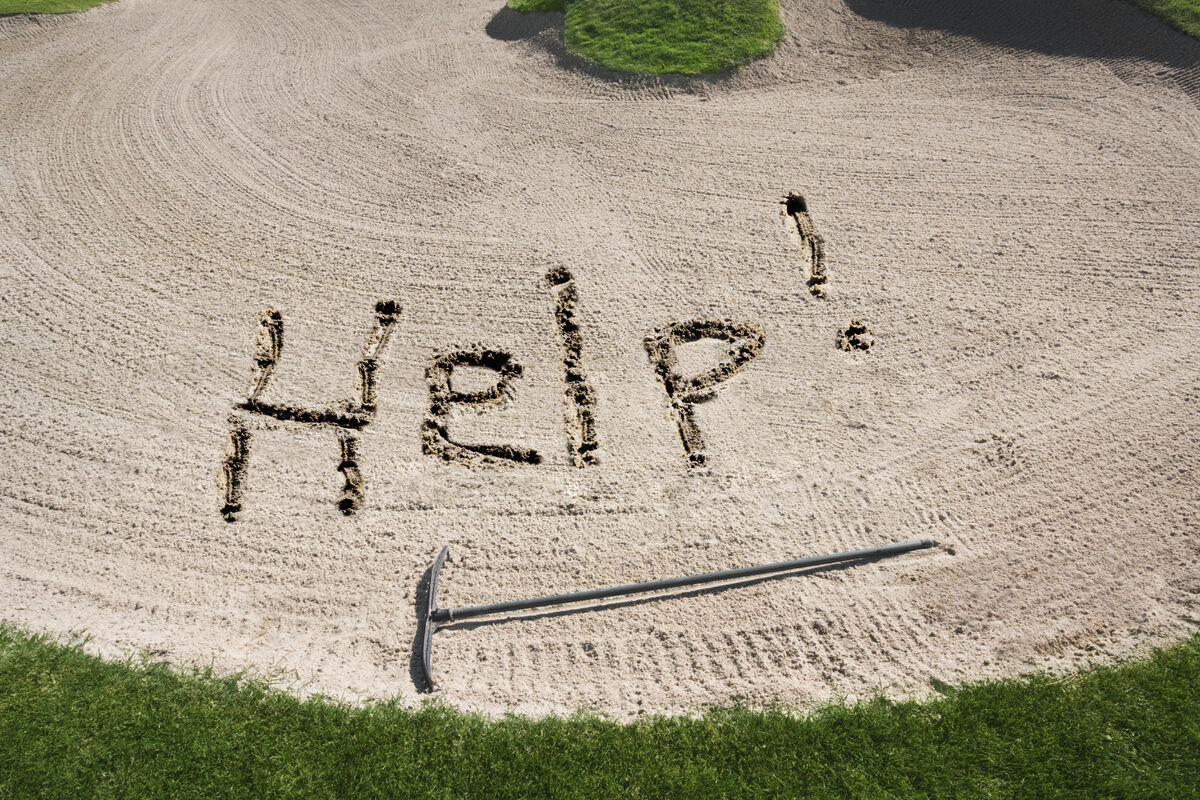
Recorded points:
(72, 725)
(666, 36)
(46, 6)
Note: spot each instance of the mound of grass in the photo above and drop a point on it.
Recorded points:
(8, 7)
(72, 725)
(1181, 14)
(666, 36)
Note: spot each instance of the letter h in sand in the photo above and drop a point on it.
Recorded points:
(347, 417)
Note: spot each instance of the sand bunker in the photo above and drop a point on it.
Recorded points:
(435, 197)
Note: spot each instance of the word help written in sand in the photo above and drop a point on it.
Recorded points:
(348, 418)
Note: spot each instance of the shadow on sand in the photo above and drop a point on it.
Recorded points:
(513, 26)
(1110, 30)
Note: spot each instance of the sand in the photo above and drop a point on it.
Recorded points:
(1009, 204)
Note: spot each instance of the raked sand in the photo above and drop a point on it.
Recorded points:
(1009, 201)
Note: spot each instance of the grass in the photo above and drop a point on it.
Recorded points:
(1182, 14)
(536, 5)
(46, 6)
(72, 725)
(689, 37)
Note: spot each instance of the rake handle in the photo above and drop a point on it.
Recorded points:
(447, 615)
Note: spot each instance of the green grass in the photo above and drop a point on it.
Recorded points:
(46, 6)
(74, 726)
(666, 36)
(536, 5)
(1182, 14)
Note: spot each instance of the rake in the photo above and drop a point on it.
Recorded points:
(437, 617)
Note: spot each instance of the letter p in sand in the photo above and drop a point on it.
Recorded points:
(745, 342)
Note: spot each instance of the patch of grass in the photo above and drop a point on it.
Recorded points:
(72, 725)
(666, 36)
(8, 7)
(536, 5)
(1182, 14)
